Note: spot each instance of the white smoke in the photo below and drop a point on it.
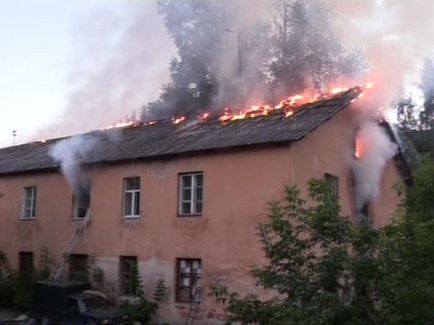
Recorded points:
(71, 153)
(375, 149)
(121, 55)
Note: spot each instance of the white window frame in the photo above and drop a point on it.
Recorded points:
(192, 200)
(30, 193)
(134, 194)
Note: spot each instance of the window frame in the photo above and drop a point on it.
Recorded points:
(72, 275)
(332, 181)
(192, 199)
(134, 193)
(33, 198)
(76, 204)
(24, 267)
(126, 290)
(195, 278)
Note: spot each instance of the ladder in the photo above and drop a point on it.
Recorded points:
(194, 305)
(79, 231)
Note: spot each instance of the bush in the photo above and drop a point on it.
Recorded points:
(139, 309)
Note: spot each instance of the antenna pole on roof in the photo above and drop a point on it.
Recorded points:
(14, 135)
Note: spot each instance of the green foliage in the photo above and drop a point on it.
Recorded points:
(16, 289)
(139, 309)
(406, 256)
(160, 290)
(220, 59)
(306, 50)
(308, 249)
(419, 117)
(95, 274)
(324, 270)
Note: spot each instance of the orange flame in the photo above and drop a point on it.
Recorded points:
(179, 119)
(289, 105)
(358, 150)
(204, 116)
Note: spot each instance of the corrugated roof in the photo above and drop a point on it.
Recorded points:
(167, 139)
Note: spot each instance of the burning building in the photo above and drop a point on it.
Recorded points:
(182, 197)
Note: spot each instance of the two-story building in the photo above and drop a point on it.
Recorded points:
(180, 198)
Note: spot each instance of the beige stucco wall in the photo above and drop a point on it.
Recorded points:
(237, 186)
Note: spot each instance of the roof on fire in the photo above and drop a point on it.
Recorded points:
(166, 139)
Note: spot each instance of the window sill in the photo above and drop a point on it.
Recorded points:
(79, 219)
(189, 215)
(130, 217)
(27, 219)
(183, 304)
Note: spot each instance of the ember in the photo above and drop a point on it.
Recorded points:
(358, 150)
(179, 119)
(287, 107)
(204, 116)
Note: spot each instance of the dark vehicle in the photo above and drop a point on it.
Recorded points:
(73, 303)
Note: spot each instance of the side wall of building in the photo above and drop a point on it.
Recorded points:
(237, 186)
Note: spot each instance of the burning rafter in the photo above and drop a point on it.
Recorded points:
(287, 107)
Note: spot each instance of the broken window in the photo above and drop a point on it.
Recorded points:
(82, 200)
(26, 263)
(189, 274)
(191, 194)
(131, 197)
(332, 183)
(78, 267)
(127, 268)
(364, 214)
(29, 206)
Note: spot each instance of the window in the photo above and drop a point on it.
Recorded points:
(189, 273)
(29, 207)
(26, 263)
(78, 267)
(131, 197)
(191, 194)
(128, 268)
(82, 200)
(364, 214)
(332, 182)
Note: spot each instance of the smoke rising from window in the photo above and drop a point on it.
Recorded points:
(374, 149)
(71, 153)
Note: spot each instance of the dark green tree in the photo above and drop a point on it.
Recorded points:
(276, 55)
(405, 108)
(406, 256)
(195, 26)
(426, 115)
(325, 270)
(310, 266)
(307, 53)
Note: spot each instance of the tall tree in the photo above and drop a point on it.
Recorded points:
(309, 266)
(324, 270)
(307, 53)
(426, 115)
(195, 27)
(293, 50)
(405, 108)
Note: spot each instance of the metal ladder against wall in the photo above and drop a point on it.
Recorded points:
(78, 234)
(194, 305)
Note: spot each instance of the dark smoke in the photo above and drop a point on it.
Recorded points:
(238, 53)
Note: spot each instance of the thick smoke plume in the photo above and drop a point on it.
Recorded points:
(374, 149)
(71, 153)
(395, 35)
(121, 54)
